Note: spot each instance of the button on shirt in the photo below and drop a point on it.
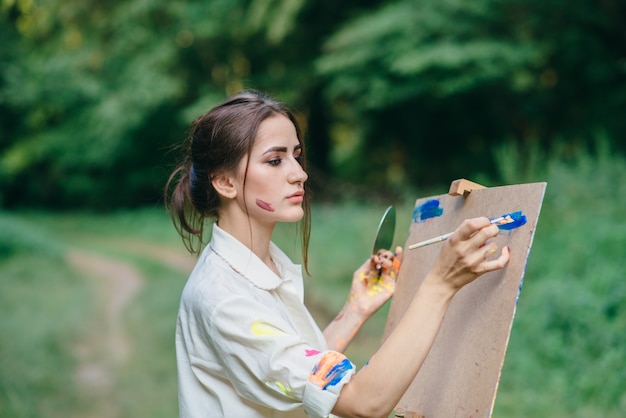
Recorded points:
(246, 345)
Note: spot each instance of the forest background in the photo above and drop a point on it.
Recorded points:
(397, 99)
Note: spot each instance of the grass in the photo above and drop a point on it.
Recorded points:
(565, 357)
(42, 303)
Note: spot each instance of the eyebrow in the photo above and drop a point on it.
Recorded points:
(281, 149)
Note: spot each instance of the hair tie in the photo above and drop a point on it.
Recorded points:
(192, 178)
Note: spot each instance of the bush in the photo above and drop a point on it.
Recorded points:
(17, 236)
(568, 339)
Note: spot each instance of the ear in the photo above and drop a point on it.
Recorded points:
(224, 185)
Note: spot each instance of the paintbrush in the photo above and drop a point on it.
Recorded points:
(515, 219)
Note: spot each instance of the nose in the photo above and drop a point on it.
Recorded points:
(297, 174)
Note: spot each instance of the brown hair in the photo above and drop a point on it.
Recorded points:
(217, 142)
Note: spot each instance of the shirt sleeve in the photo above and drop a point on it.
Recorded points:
(330, 373)
(268, 362)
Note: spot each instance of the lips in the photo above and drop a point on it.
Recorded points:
(297, 197)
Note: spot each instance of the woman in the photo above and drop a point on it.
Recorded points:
(246, 345)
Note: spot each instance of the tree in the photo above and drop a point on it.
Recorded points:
(88, 77)
(94, 95)
(442, 81)
(97, 93)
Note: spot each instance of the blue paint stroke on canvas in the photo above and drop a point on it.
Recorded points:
(427, 210)
(517, 219)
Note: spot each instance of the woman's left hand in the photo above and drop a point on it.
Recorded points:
(375, 281)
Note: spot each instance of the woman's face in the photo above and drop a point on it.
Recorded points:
(274, 187)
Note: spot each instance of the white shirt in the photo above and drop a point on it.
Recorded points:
(246, 346)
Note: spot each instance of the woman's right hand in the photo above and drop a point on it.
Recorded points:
(464, 257)
(467, 254)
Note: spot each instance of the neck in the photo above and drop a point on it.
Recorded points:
(251, 233)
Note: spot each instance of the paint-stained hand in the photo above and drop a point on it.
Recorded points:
(467, 254)
(375, 281)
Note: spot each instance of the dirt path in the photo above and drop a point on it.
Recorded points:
(106, 346)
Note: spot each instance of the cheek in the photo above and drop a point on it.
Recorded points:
(262, 196)
(264, 205)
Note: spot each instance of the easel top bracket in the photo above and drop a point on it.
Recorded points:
(463, 187)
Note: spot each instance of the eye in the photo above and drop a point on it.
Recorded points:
(275, 162)
(298, 156)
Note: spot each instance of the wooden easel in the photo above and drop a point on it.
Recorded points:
(463, 187)
(460, 376)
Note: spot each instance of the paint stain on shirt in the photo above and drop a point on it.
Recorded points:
(262, 328)
(330, 370)
(284, 388)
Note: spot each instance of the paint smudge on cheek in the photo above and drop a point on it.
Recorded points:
(427, 210)
(264, 205)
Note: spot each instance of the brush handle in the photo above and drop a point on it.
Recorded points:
(431, 241)
(502, 219)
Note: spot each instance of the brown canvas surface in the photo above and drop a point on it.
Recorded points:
(461, 373)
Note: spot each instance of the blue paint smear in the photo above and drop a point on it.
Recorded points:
(518, 220)
(338, 372)
(427, 210)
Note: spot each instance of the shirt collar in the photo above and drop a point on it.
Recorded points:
(249, 265)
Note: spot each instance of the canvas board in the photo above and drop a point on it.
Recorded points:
(460, 375)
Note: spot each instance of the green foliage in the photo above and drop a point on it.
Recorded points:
(432, 85)
(96, 93)
(17, 236)
(571, 320)
(96, 77)
(565, 354)
(93, 95)
(412, 48)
